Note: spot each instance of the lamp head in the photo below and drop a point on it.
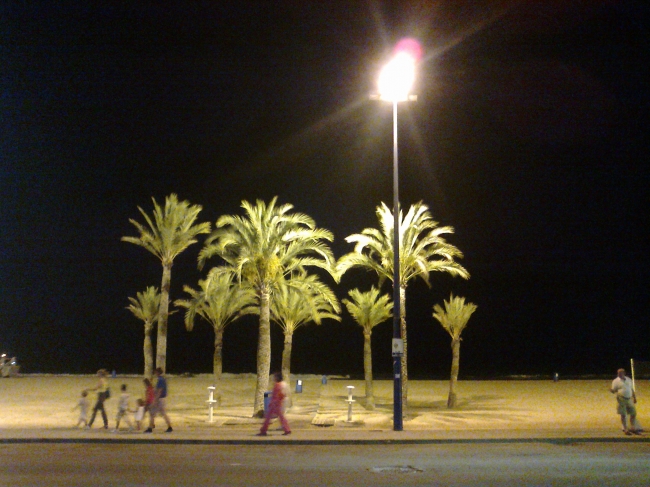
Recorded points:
(396, 79)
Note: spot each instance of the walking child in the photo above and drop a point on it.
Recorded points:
(123, 410)
(139, 414)
(83, 406)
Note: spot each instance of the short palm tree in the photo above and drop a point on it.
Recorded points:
(262, 248)
(172, 229)
(297, 302)
(368, 309)
(219, 301)
(454, 318)
(422, 250)
(145, 307)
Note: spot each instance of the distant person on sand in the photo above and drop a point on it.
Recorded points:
(83, 406)
(277, 406)
(160, 402)
(102, 395)
(123, 410)
(626, 400)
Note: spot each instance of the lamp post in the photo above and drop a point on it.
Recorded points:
(395, 81)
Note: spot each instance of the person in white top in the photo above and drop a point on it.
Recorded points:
(83, 406)
(625, 401)
(139, 414)
(123, 410)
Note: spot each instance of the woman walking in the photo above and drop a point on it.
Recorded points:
(276, 406)
(102, 395)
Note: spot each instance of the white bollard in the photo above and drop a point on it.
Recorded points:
(211, 402)
(350, 401)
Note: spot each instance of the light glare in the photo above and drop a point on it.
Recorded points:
(397, 77)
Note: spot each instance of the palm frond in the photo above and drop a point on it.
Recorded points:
(268, 242)
(172, 229)
(422, 247)
(369, 308)
(303, 299)
(219, 301)
(454, 316)
(145, 305)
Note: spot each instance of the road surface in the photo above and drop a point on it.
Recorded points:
(126, 465)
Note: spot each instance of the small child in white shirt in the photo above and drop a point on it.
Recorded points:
(83, 406)
(123, 410)
(139, 414)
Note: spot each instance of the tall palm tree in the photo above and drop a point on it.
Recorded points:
(454, 318)
(145, 307)
(368, 309)
(220, 301)
(263, 248)
(169, 233)
(299, 301)
(422, 250)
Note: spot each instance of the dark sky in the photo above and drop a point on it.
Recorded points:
(529, 137)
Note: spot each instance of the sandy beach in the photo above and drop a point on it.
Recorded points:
(46, 402)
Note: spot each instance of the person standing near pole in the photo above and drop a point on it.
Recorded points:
(626, 400)
(159, 405)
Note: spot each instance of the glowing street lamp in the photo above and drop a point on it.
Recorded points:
(395, 82)
(397, 77)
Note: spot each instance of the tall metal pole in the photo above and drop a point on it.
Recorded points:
(397, 334)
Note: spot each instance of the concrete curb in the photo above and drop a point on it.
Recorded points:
(325, 441)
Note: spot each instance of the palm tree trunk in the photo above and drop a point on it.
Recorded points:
(367, 369)
(217, 364)
(263, 353)
(455, 359)
(163, 314)
(405, 375)
(148, 351)
(286, 363)
(286, 357)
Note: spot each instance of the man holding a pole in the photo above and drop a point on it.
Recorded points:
(626, 399)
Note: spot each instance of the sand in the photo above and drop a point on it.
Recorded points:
(46, 402)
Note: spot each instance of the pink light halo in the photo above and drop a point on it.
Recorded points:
(409, 46)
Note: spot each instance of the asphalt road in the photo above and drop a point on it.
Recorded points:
(597, 464)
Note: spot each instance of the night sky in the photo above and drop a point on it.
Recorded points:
(529, 137)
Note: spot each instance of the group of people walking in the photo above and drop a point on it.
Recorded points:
(153, 403)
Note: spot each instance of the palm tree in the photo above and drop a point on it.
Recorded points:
(145, 307)
(454, 318)
(219, 302)
(422, 250)
(296, 302)
(263, 248)
(169, 233)
(368, 310)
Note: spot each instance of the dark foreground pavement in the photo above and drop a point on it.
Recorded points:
(620, 464)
